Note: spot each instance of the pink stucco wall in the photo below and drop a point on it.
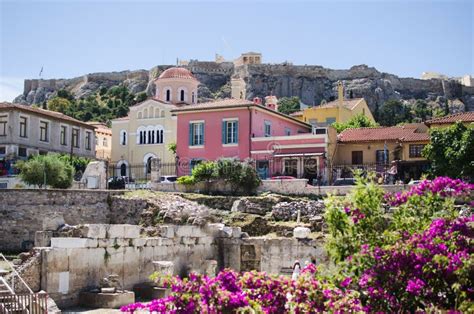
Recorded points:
(213, 148)
(278, 124)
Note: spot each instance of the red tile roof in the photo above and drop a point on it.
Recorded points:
(463, 117)
(49, 113)
(175, 72)
(407, 133)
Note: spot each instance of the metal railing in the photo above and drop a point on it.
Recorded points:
(32, 303)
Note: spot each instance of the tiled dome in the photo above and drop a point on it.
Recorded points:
(180, 73)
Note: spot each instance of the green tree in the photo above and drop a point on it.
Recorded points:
(288, 105)
(393, 112)
(50, 169)
(140, 97)
(422, 110)
(451, 151)
(242, 176)
(357, 121)
(59, 104)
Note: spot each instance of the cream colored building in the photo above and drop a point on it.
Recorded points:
(149, 127)
(103, 140)
(248, 58)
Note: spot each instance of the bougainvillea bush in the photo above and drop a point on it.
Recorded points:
(382, 264)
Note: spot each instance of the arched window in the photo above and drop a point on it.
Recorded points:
(192, 98)
(139, 115)
(157, 112)
(123, 137)
(145, 113)
(148, 165)
(181, 95)
(104, 142)
(168, 95)
(162, 113)
(123, 170)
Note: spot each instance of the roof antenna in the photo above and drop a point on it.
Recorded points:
(41, 71)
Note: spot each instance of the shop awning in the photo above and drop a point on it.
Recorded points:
(299, 155)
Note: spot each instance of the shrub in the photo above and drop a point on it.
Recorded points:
(186, 180)
(242, 176)
(205, 171)
(50, 169)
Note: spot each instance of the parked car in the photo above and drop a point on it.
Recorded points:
(116, 183)
(282, 178)
(414, 182)
(344, 181)
(168, 179)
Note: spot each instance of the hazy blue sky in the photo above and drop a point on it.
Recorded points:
(72, 38)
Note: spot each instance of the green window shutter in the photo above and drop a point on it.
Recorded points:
(202, 132)
(190, 134)
(224, 125)
(236, 131)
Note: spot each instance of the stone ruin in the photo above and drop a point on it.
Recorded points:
(108, 264)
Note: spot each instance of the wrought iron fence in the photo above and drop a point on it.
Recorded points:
(120, 176)
(33, 303)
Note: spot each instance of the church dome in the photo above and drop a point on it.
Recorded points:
(180, 73)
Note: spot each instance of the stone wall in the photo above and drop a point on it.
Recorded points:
(23, 212)
(75, 264)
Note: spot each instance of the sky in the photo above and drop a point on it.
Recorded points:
(71, 38)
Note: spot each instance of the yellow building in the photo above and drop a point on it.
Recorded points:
(467, 118)
(340, 110)
(376, 149)
(103, 140)
(149, 127)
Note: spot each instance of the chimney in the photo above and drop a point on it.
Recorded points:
(340, 93)
(257, 100)
(271, 102)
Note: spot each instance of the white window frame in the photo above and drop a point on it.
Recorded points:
(88, 134)
(6, 116)
(236, 135)
(78, 137)
(27, 129)
(193, 123)
(265, 124)
(65, 135)
(122, 132)
(48, 131)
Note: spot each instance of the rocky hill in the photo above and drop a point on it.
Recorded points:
(311, 84)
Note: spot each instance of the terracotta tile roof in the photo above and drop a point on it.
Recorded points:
(40, 111)
(297, 113)
(224, 103)
(348, 103)
(232, 103)
(408, 133)
(463, 117)
(176, 72)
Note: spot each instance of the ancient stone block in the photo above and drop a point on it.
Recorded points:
(301, 232)
(70, 243)
(188, 240)
(43, 238)
(167, 231)
(131, 231)
(53, 222)
(95, 231)
(115, 231)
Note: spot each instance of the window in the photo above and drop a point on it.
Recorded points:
(181, 95)
(123, 137)
(3, 125)
(168, 95)
(63, 135)
(75, 138)
(3, 150)
(415, 150)
(104, 142)
(330, 121)
(287, 131)
(123, 170)
(268, 128)
(357, 157)
(22, 152)
(159, 136)
(192, 97)
(44, 131)
(23, 122)
(380, 157)
(230, 132)
(196, 134)
(88, 140)
(291, 167)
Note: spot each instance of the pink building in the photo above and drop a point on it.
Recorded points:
(235, 128)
